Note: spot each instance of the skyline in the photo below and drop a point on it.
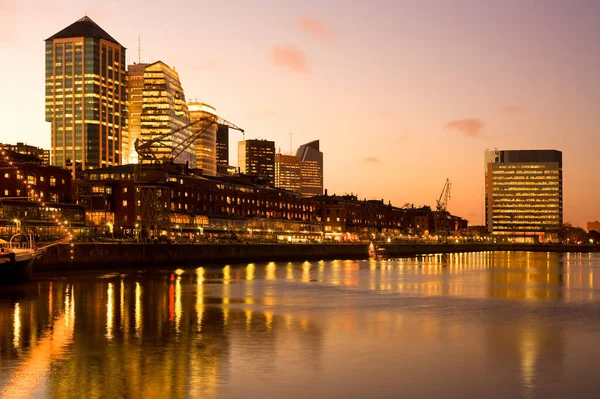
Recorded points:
(413, 93)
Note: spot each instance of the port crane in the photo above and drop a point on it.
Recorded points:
(157, 156)
(441, 214)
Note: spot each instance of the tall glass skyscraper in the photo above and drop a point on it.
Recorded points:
(523, 192)
(206, 144)
(85, 96)
(164, 110)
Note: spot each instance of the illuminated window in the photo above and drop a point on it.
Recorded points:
(52, 181)
(124, 189)
(6, 175)
(124, 202)
(30, 179)
(18, 193)
(42, 179)
(6, 192)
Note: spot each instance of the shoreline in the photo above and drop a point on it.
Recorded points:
(106, 256)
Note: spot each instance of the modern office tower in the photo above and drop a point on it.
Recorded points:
(165, 110)
(135, 90)
(206, 144)
(311, 169)
(223, 145)
(85, 96)
(287, 172)
(257, 158)
(523, 192)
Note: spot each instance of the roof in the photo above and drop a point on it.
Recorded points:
(83, 27)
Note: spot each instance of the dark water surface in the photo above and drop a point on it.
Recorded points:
(482, 325)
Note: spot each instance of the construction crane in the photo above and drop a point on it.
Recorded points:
(162, 150)
(442, 202)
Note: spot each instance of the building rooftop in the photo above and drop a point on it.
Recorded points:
(83, 27)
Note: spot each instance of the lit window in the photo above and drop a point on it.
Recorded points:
(30, 179)
(124, 189)
(6, 175)
(18, 193)
(42, 178)
(6, 192)
(124, 202)
(52, 181)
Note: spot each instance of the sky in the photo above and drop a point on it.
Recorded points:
(401, 94)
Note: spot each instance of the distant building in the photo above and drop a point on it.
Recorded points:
(85, 96)
(287, 172)
(164, 110)
(257, 158)
(311, 169)
(523, 192)
(223, 145)
(593, 226)
(135, 101)
(206, 144)
(43, 155)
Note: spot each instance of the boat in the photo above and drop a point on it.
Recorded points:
(17, 257)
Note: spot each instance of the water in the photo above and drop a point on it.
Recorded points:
(493, 325)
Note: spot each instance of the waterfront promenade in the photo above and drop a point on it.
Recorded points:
(89, 256)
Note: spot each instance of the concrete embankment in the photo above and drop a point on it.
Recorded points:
(107, 256)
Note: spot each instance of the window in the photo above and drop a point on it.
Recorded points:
(42, 179)
(125, 218)
(7, 175)
(52, 181)
(62, 181)
(18, 193)
(31, 179)
(124, 190)
(6, 192)
(124, 202)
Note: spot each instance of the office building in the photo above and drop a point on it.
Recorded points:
(85, 96)
(223, 145)
(206, 144)
(523, 193)
(311, 169)
(287, 172)
(257, 158)
(165, 112)
(135, 100)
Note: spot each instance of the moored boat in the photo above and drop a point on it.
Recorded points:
(16, 258)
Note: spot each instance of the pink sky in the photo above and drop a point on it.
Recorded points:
(402, 94)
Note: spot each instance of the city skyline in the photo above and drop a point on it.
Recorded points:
(414, 93)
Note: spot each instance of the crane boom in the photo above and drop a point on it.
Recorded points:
(442, 202)
(147, 149)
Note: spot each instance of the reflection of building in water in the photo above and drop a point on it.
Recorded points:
(525, 276)
(151, 337)
(530, 350)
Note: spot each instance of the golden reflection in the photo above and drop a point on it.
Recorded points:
(138, 310)
(269, 321)
(306, 272)
(250, 271)
(34, 369)
(248, 314)
(335, 267)
(17, 326)
(271, 271)
(321, 270)
(177, 303)
(50, 310)
(529, 352)
(226, 274)
(122, 306)
(109, 312)
(199, 297)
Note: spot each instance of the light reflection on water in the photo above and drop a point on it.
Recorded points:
(466, 325)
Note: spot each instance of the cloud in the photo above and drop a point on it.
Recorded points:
(512, 109)
(372, 160)
(468, 127)
(311, 25)
(290, 57)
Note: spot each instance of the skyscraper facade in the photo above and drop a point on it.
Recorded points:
(164, 110)
(135, 100)
(206, 144)
(85, 96)
(287, 172)
(257, 158)
(223, 145)
(523, 192)
(311, 169)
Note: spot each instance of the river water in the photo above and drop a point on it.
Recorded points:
(479, 325)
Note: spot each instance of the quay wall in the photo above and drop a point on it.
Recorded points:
(90, 256)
